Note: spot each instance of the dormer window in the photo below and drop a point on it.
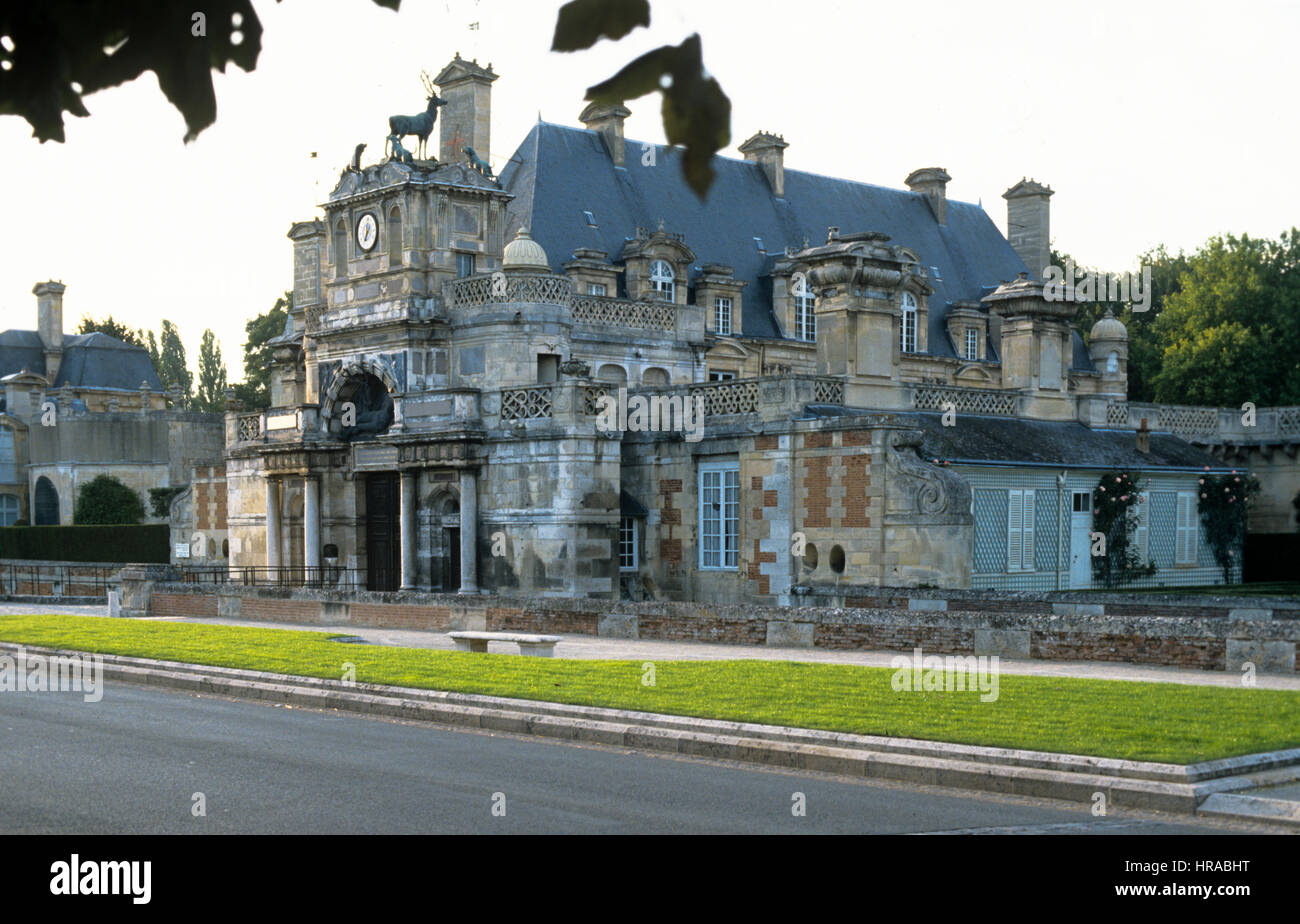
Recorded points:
(972, 343)
(908, 328)
(661, 279)
(805, 322)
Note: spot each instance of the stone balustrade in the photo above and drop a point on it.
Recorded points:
(1203, 424)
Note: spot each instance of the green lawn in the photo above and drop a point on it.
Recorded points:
(1143, 721)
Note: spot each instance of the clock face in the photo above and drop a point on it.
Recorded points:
(367, 232)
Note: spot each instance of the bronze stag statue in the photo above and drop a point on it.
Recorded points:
(421, 126)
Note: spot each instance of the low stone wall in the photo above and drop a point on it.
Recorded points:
(1218, 637)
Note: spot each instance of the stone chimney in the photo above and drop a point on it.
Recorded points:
(768, 151)
(1144, 438)
(607, 121)
(49, 324)
(1028, 229)
(931, 182)
(466, 120)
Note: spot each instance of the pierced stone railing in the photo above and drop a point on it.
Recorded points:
(964, 400)
(1208, 424)
(619, 312)
(828, 391)
(527, 403)
(591, 395)
(478, 291)
(248, 427)
(736, 397)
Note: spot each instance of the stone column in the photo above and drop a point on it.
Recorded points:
(468, 531)
(408, 529)
(311, 524)
(272, 522)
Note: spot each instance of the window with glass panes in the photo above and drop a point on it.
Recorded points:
(805, 321)
(972, 342)
(661, 279)
(722, 315)
(908, 327)
(627, 544)
(719, 516)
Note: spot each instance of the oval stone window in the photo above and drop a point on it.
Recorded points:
(837, 559)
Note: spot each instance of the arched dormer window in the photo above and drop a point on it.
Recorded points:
(805, 321)
(1112, 363)
(907, 330)
(394, 237)
(661, 279)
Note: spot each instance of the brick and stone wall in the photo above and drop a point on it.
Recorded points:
(1218, 634)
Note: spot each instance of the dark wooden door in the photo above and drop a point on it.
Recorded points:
(383, 532)
(451, 567)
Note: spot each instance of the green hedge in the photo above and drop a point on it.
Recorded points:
(143, 543)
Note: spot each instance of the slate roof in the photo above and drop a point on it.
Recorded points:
(89, 360)
(1060, 444)
(559, 172)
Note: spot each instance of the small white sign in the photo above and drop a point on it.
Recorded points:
(282, 422)
(182, 550)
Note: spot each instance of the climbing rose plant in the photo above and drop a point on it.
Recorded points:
(1114, 514)
(1224, 503)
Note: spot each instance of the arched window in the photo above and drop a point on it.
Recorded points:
(340, 250)
(908, 330)
(395, 237)
(655, 376)
(661, 279)
(1112, 363)
(8, 509)
(612, 373)
(805, 322)
(47, 503)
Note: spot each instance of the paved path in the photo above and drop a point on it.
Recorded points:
(591, 647)
(133, 762)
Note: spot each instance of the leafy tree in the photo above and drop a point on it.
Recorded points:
(107, 501)
(1231, 333)
(171, 363)
(212, 375)
(1225, 501)
(160, 499)
(61, 51)
(110, 327)
(154, 356)
(255, 391)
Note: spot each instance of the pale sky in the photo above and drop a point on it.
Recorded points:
(1154, 122)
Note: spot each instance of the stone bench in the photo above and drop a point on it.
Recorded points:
(542, 646)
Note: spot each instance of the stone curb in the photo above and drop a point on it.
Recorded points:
(1076, 778)
(1252, 808)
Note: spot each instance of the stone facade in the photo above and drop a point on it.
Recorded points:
(442, 394)
(80, 406)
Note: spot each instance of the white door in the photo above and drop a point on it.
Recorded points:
(1080, 547)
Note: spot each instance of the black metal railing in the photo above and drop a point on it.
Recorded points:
(284, 576)
(56, 580)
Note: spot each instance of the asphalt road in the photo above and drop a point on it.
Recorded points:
(133, 763)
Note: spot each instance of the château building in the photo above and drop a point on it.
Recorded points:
(885, 385)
